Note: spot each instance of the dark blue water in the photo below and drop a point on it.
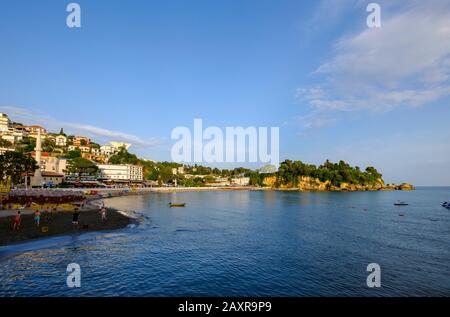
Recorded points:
(249, 243)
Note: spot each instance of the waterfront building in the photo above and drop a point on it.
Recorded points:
(121, 173)
(240, 181)
(48, 179)
(220, 181)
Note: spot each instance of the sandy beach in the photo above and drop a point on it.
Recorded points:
(59, 222)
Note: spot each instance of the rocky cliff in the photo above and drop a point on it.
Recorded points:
(314, 184)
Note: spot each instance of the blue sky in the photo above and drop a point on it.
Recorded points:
(337, 89)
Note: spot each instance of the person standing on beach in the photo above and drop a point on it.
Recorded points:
(46, 215)
(103, 212)
(17, 220)
(75, 215)
(37, 217)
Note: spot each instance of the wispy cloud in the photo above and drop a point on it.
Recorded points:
(34, 117)
(405, 63)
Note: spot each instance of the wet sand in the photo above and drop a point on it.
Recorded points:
(59, 223)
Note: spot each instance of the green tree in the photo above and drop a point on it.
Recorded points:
(5, 143)
(48, 145)
(26, 145)
(73, 154)
(14, 164)
(81, 166)
(336, 173)
(123, 157)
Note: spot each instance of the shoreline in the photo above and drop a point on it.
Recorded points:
(115, 192)
(60, 223)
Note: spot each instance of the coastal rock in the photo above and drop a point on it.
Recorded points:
(405, 186)
(306, 183)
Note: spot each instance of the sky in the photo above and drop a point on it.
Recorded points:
(336, 88)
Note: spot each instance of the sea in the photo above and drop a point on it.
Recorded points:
(248, 243)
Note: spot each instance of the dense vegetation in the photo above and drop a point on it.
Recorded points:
(13, 165)
(337, 173)
(81, 166)
(288, 172)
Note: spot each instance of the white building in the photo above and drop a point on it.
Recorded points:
(85, 149)
(121, 172)
(178, 170)
(5, 123)
(3, 150)
(34, 130)
(12, 135)
(61, 140)
(82, 148)
(240, 181)
(107, 150)
(96, 151)
(8, 132)
(118, 145)
(113, 148)
(52, 163)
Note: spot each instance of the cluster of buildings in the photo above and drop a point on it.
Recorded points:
(53, 165)
(240, 180)
(14, 134)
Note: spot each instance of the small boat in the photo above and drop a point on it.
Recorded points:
(446, 205)
(177, 204)
(401, 203)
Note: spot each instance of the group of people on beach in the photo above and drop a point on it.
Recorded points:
(48, 216)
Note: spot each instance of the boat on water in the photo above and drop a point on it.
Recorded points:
(446, 205)
(177, 204)
(400, 203)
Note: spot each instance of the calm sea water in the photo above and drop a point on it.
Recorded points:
(249, 243)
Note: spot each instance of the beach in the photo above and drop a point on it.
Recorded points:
(90, 219)
(58, 223)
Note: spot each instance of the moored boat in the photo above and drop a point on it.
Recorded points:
(400, 203)
(177, 204)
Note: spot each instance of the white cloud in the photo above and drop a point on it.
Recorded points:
(33, 117)
(315, 120)
(406, 62)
